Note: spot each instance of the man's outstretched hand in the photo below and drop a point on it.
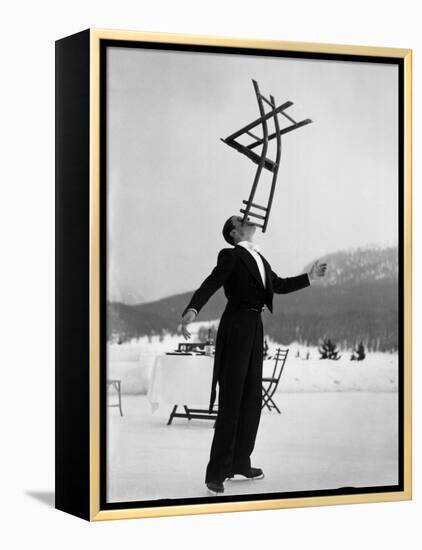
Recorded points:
(317, 270)
(188, 317)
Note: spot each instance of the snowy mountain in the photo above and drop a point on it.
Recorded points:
(359, 265)
(357, 300)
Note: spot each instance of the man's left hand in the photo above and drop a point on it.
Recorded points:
(317, 270)
(187, 318)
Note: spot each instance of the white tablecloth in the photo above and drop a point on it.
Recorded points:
(181, 380)
(184, 380)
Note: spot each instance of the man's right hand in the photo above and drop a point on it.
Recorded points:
(188, 317)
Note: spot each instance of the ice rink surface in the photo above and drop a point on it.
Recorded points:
(322, 440)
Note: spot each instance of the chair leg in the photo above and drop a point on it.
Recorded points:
(274, 406)
(265, 398)
(120, 398)
(170, 420)
(265, 404)
(187, 412)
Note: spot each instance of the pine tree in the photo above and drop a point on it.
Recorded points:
(265, 348)
(328, 350)
(358, 353)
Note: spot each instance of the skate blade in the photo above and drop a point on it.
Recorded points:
(214, 493)
(239, 477)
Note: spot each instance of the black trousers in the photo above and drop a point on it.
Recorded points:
(239, 394)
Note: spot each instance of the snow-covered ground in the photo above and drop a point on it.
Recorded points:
(133, 362)
(320, 441)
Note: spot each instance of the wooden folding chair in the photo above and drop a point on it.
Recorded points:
(269, 384)
(261, 159)
(117, 386)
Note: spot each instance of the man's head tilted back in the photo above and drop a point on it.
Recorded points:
(234, 231)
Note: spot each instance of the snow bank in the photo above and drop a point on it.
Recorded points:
(373, 375)
(132, 363)
(378, 372)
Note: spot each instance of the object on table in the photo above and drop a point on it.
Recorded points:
(191, 347)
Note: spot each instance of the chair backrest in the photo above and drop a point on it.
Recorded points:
(279, 362)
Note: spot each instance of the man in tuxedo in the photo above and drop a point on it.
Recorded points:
(249, 284)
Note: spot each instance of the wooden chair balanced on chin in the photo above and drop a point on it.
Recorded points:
(262, 213)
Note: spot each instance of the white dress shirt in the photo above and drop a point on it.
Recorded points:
(253, 251)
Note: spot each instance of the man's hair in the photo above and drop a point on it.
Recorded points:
(227, 228)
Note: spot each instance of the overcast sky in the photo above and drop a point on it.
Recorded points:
(172, 183)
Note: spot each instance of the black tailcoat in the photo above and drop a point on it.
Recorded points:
(238, 353)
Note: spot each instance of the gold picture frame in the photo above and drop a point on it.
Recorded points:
(78, 71)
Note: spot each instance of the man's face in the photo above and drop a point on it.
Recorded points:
(242, 231)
